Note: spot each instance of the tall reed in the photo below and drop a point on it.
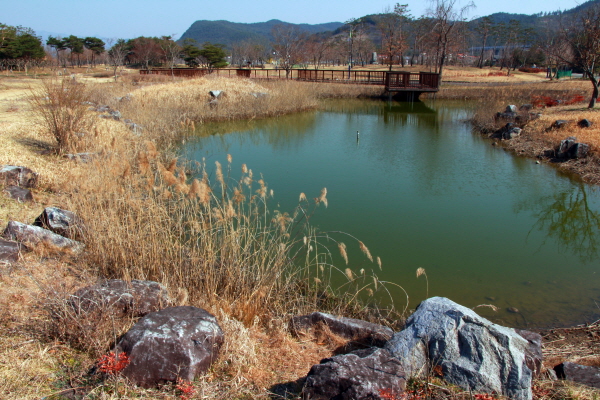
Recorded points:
(219, 241)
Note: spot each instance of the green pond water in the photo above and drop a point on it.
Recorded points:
(421, 190)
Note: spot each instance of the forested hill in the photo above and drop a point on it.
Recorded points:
(535, 20)
(225, 32)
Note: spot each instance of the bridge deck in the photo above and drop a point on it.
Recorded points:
(394, 81)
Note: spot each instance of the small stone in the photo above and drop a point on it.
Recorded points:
(19, 193)
(491, 298)
(34, 236)
(136, 298)
(81, 157)
(513, 310)
(215, 94)
(9, 251)
(371, 373)
(356, 330)
(511, 109)
(584, 123)
(585, 375)
(13, 175)
(579, 150)
(59, 221)
(559, 124)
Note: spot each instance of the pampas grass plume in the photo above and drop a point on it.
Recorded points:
(365, 250)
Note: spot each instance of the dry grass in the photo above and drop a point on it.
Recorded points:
(536, 139)
(150, 217)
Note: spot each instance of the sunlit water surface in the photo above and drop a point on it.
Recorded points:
(421, 190)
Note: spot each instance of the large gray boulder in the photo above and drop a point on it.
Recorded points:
(121, 298)
(18, 176)
(473, 352)
(36, 237)
(176, 342)
(363, 374)
(355, 330)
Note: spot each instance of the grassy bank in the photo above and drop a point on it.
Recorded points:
(208, 233)
(203, 230)
(563, 100)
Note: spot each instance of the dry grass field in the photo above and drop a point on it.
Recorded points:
(143, 207)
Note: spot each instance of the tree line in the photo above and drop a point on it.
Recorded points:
(443, 36)
(19, 48)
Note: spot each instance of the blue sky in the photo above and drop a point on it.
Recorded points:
(132, 18)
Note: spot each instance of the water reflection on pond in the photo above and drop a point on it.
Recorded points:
(422, 191)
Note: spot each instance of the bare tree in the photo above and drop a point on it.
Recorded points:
(391, 25)
(289, 46)
(117, 53)
(171, 50)
(318, 47)
(364, 47)
(484, 28)
(582, 38)
(447, 20)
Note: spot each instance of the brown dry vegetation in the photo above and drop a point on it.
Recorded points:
(213, 244)
(537, 140)
(144, 212)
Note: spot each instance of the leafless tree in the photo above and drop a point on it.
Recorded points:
(447, 19)
(289, 46)
(364, 47)
(392, 25)
(171, 50)
(483, 28)
(116, 54)
(318, 48)
(582, 38)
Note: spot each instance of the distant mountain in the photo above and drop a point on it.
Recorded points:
(536, 20)
(227, 33)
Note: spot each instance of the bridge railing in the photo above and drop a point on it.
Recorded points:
(393, 80)
(330, 75)
(412, 80)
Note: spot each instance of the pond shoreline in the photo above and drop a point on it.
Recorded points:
(49, 194)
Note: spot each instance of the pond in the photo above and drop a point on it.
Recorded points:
(421, 190)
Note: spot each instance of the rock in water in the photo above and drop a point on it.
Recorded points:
(176, 342)
(474, 353)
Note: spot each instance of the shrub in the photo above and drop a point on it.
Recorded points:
(532, 70)
(62, 111)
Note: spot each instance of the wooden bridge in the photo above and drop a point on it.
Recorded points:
(405, 84)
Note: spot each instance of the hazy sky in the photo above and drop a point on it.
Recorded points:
(132, 18)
